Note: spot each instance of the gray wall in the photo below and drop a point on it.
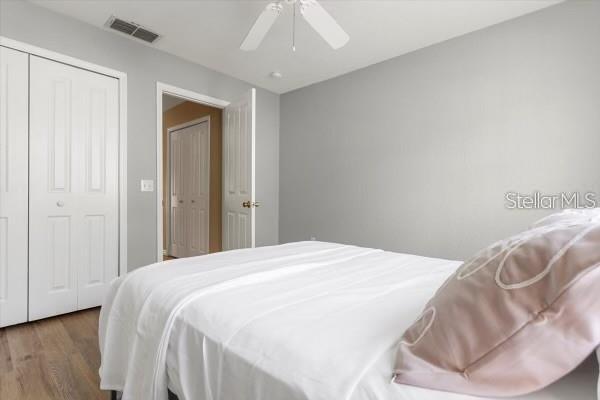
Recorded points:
(267, 168)
(415, 154)
(144, 66)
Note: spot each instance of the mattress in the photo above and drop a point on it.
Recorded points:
(374, 385)
(306, 320)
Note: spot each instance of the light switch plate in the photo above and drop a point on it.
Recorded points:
(147, 185)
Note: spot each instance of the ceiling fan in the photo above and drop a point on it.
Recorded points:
(316, 16)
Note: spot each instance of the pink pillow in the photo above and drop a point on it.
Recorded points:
(519, 315)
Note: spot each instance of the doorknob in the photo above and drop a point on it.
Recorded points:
(250, 204)
(181, 201)
(60, 204)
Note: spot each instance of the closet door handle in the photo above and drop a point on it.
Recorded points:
(60, 203)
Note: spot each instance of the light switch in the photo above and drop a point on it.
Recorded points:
(147, 185)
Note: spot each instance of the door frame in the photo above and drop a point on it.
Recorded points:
(168, 175)
(122, 80)
(164, 88)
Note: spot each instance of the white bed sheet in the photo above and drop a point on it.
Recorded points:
(306, 320)
(382, 292)
(579, 385)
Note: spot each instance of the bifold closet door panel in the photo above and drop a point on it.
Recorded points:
(189, 178)
(198, 175)
(177, 158)
(14, 92)
(73, 203)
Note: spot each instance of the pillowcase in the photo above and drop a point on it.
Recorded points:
(519, 315)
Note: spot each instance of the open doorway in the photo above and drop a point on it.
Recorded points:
(191, 176)
(230, 155)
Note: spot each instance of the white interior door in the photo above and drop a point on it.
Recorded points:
(238, 173)
(73, 205)
(14, 96)
(197, 200)
(190, 187)
(177, 205)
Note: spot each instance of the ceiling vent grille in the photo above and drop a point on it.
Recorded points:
(145, 34)
(132, 29)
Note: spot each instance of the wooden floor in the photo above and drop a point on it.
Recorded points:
(55, 358)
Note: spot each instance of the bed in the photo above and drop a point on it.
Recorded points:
(306, 320)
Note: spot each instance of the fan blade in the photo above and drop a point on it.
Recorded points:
(323, 23)
(262, 25)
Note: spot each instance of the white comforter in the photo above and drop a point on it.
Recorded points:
(305, 320)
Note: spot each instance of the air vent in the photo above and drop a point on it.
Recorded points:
(145, 34)
(122, 26)
(132, 29)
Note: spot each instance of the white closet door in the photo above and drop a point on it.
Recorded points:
(198, 194)
(14, 95)
(190, 187)
(178, 151)
(238, 173)
(73, 214)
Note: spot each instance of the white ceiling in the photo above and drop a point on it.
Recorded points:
(210, 32)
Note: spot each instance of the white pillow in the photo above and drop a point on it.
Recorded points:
(598, 354)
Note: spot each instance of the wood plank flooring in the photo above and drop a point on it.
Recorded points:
(54, 358)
